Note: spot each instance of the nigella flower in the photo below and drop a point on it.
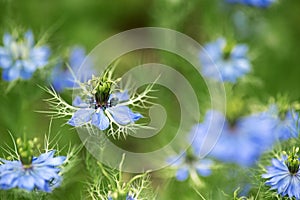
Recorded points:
(188, 164)
(224, 62)
(20, 58)
(286, 124)
(99, 113)
(255, 3)
(284, 175)
(241, 142)
(63, 78)
(41, 173)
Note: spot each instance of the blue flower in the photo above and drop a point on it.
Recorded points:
(187, 164)
(286, 125)
(20, 58)
(255, 3)
(41, 174)
(63, 78)
(231, 61)
(284, 175)
(242, 142)
(100, 116)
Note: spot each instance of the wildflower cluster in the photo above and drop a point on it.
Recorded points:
(244, 148)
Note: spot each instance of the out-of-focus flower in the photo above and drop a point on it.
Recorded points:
(20, 58)
(255, 3)
(286, 124)
(130, 197)
(284, 175)
(99, 113)
(188, 165)
(41, 173)
(241, 142)
(224, 62)
(63, 78)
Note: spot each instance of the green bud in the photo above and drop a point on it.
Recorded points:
(19, 141)
(35, 140)
(25, 150)
(292, 161)
(227, 50)
(235, 109)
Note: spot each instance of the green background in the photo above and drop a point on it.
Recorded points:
(272, 35)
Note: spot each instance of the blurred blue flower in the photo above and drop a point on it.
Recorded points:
(255, 3)
(284, 176)
(286, 125)
(63, 78)
(187, 164)
(42, 173)
(224, 62)
(242, 142)
(130, 197)
(20, 58)
(97, 115)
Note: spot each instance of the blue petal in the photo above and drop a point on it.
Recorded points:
(26, 182)
(100, 120)
(40, 183)
(43, 157)
(123, 115)
(39, 55)
(9, 179)
(11, 74)
(121, 96)
(48, 159)
(203, 167)
(25, 75)
(239, 51)
(7, 39)
(29, 66)
(5, 60)
(59, 160)
(81, 116)
(46, 173)
(77, 57)
(29, 37)
(79, 103)
(182, 174)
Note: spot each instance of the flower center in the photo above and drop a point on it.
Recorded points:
(235, 110)
(19, 50)
(25, 150)
(292, 162)
(190, 158)
(101, 91)
(227, 51)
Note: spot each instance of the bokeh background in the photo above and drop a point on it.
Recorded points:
(272, 35)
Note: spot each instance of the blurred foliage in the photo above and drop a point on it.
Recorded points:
(272, 34)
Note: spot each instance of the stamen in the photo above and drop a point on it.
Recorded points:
(25, 150)
(292, 161)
